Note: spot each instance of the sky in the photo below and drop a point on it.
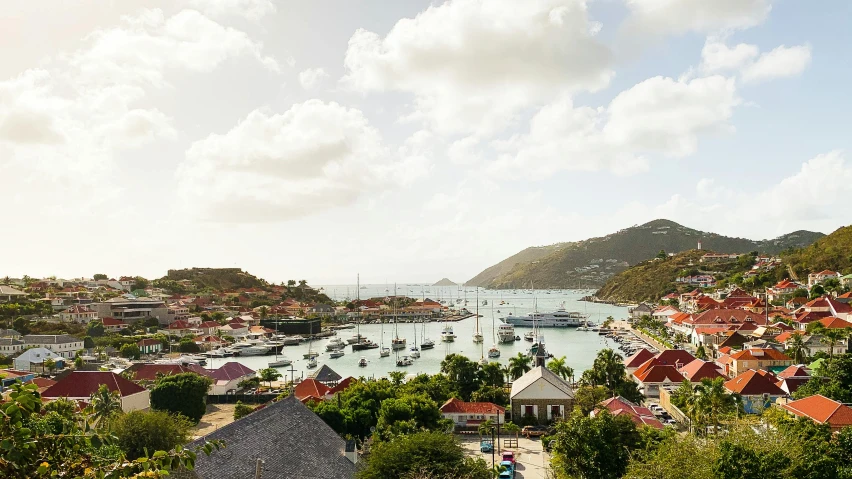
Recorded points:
(408, 140)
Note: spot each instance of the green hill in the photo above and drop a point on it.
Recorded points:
(589, 263)
(216, 278)
(832, 252)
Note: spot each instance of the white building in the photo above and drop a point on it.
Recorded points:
(542, 394)
(61, 344)
(33, 360)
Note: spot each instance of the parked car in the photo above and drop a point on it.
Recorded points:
(533, 431)
(486, 445)
(509, 456)
(508, 471)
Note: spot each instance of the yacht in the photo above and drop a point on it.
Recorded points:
(365, 344)
(355, 339)
(312, 363)
(427, 344)
(447, 334)
(557, 319)
(385, 352)
(311, 355)
(337, 353)
(397, 344)
(279, 363)
(249, 349)
(483, 361)
(404, 361)
(494, 352)
(506, 333)
(288, 340)
(362, 362)
(415, 353)
(334, 344)
(530, 336)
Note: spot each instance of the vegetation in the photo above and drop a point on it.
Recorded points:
(242, 410)
(834, 380)
(706, 403)
(422, 454)
(608, 371)
(563, 265)
(130, 351)
(832, 252)
(139, 432)
(184, 393)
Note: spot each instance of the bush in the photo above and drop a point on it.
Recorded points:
(184, 394)
(241, 410)
(155, 431)
(130, 351)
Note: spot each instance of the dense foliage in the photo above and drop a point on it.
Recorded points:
(139, 433)
(422, 454)
(184, 394)
(833, 380)
(832, 252)
(608, 371)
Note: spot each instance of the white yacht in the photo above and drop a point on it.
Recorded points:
(385, 352)
(334, 344)
(447, 334)
(506, 333)
(557, 319)
(398, 343)
(494, 352)
(362, 362)
(415, 353)
(312, 363)
(279, 363)
(249, 349)
(337, 353)
(404, 361)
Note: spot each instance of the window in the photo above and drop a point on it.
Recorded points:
(529, 410)
(555, 411)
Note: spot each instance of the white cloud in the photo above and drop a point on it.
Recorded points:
(473, 65)
(312, 77)
(717, 57)
(660, 17)
(659, 115)
(250, 9)
(273, 167)
(781, 62)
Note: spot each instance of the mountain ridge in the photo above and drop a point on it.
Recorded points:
(590, 262)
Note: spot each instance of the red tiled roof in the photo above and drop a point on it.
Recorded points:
(179, 324)
(675, 357)
(822, 410)
(310, 388)
(835, 323)
(43, 382)
(753, 383)
(149, 372)
(82, 384)
(811, 316)
(641, 415)
(760, 354)
(660, 373)
(728, 316)
(112, 322)
(454, 405)
(637, 359)
(229, 371)
(725, 349)
(786, 335)
(343, 385)
(792, 383)
(796, 370)
(148, 342)
(208, 324)
(698, 370)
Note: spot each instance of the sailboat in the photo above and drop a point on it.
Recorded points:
(397, 343)
(384, 351)
(427, 343)
(311, 354)
(493, 352)
(415, 351)
(361, 343)
(477, 335)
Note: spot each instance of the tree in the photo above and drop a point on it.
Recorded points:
(588, 397)
(406, 414)
(130, 351)
(519, 365)
(100, 277)
(796, 348)
(138, 432)
(494, 394)
(737, 461)
(558, 366)
(65, 407)
(88, 342)
(95, 329)
(431, 454)
(249, 383)
(269, 375)
(188, 345)
(184, 393)
(595, 448)
(834, 381)
(49, 364)
(662, 254)
(700, 353)
(21, 325)
(710, 403)
(105, 405)
(491, 374)
(608, 371)
(242, 410)
(463, 372)
(817, 291)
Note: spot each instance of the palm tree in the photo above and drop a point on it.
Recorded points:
(485, 427)
(519, 365)
(796, 348)
(104, 405)
(512, 428)
(559, 368)
(507, 372)
(832, 337)
(263, 312)
(712, 402)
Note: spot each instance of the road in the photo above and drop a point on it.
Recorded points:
(532, 461)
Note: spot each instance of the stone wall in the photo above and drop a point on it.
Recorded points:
(518, 410)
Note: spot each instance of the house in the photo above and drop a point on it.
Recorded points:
(131, 308)
(723, 318)
(790, 379)
(782, 289)
(149, 346)
(730, 339)
(61, 344)
(697, 370)
(637, 312)
(10, 376)
(150, 372)
(326, 376)
(767, 359)
(9, 333)
(9, 346)
(80, 385)
(207, 328)
(228, 376)
(639, 357)
(618, 405)
(757, 389)
(821, 410)
(320, 309)
(472, 414)
(817, 278)
(112, 324)
(235, 329)
(653, 374)
(33, 360)
(311, 390)
(180, 329)
(285, 439)
(9, 294)
(835, 323)
(542, 394)
(78, 313)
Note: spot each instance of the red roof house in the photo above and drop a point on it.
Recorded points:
(311, 389)
(822, 410)
(637, 359)
(757, 388)
(698, 370)
(471, 413)
(640, 415)
(80, 385)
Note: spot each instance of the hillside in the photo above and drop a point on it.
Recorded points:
(832, 252)
(444, 282)
(215, 278)
(649, 280)
(589, 263)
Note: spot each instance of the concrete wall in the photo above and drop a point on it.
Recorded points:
(136, 402)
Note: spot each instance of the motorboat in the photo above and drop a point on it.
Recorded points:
(404, 361)
(337, 353)
(289, 340)
(427, 344)
(478, 338)
(250, 349)
(355, 339)
(530, 336)
(279, 363)
(385, 352)
(415, 353)
(334, 344)
(312, 363)
(447, 334)
(398, 343)
(494, 352)
(506, 333)
(362, 362)
(482, 361)
(365, 344)
(310, 355)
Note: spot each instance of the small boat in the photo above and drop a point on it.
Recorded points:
(415, 353)
(362, 362)
(365, 344)
(404, 361)
(278, 363)
(357, 338)
(337, 353)
(447, 335)
(334, 344)
(427, 344)
(385, 352)
(398, 343)
(312, 363)
(494, 352)
(483, 361)
(310, 355)
(530, 336)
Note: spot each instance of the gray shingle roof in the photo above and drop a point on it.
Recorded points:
(291, 440)
(50, 339)
(326, 375)
(537, 373)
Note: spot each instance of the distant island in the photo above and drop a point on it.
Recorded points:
(444, 282)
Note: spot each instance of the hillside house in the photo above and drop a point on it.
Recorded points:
(80, 385)
(757, 389)
(472, 414)
(817, 278)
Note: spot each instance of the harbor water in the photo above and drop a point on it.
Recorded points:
(578, 347)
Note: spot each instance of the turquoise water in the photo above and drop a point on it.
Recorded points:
(579, 347)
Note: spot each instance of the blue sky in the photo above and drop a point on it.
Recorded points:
(410, 140)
